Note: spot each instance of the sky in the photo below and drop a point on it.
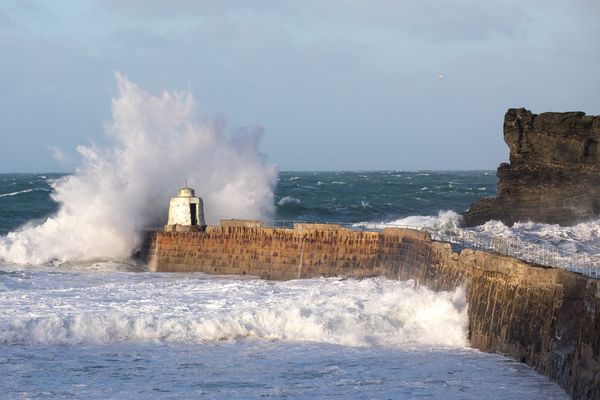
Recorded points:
(335, 84)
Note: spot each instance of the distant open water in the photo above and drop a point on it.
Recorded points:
(98, 329)
(378, 196)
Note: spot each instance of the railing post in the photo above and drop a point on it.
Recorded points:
(542, 255)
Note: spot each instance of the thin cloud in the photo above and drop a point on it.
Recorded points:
(440, 20)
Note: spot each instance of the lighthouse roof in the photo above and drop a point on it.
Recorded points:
(186, 192)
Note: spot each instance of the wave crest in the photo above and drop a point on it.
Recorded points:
(372, 312)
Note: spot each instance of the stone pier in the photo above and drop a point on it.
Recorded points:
(544, 317)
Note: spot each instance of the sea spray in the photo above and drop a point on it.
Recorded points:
(583, 238)
(444, 220)
(157, 143)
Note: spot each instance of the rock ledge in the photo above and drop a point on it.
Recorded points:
(554, 171)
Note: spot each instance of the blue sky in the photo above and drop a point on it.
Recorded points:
(336, 84)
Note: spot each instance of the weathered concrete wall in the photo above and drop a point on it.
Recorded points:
(272, 253)
(547, 318)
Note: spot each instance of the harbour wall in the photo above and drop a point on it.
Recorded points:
(545, 317)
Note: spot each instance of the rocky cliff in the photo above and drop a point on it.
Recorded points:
(554, 170)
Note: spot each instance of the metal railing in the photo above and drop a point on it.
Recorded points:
(541, 254)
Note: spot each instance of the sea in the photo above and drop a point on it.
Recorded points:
(103, 328)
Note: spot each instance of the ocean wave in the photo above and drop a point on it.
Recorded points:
(581, 238)
(289, 206)
(288, 200)
(372, 312)
(17, 193)
(445, 220)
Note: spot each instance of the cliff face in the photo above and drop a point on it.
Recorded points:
(554, 170)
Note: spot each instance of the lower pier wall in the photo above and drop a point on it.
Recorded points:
(547, 318)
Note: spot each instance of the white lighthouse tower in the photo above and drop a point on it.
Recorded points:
(186, 212)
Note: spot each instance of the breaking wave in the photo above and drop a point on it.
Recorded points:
(370, 312)
(16, 193)
(289, 206)
(445, 220)
(288, 200)
(581, 238)
(157, 143)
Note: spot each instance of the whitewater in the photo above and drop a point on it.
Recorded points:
(104, 330)
(155, 144)
(80, 319)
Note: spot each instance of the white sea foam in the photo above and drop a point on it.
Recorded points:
(16, 193)
(288, 200)
(445, 220)
(581, 238)
(146, 307)
(157, 143)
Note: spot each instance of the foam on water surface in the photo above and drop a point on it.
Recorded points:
(102, 332)
(64, 308)
(582, 238)
(16, 193)
(250, 369)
